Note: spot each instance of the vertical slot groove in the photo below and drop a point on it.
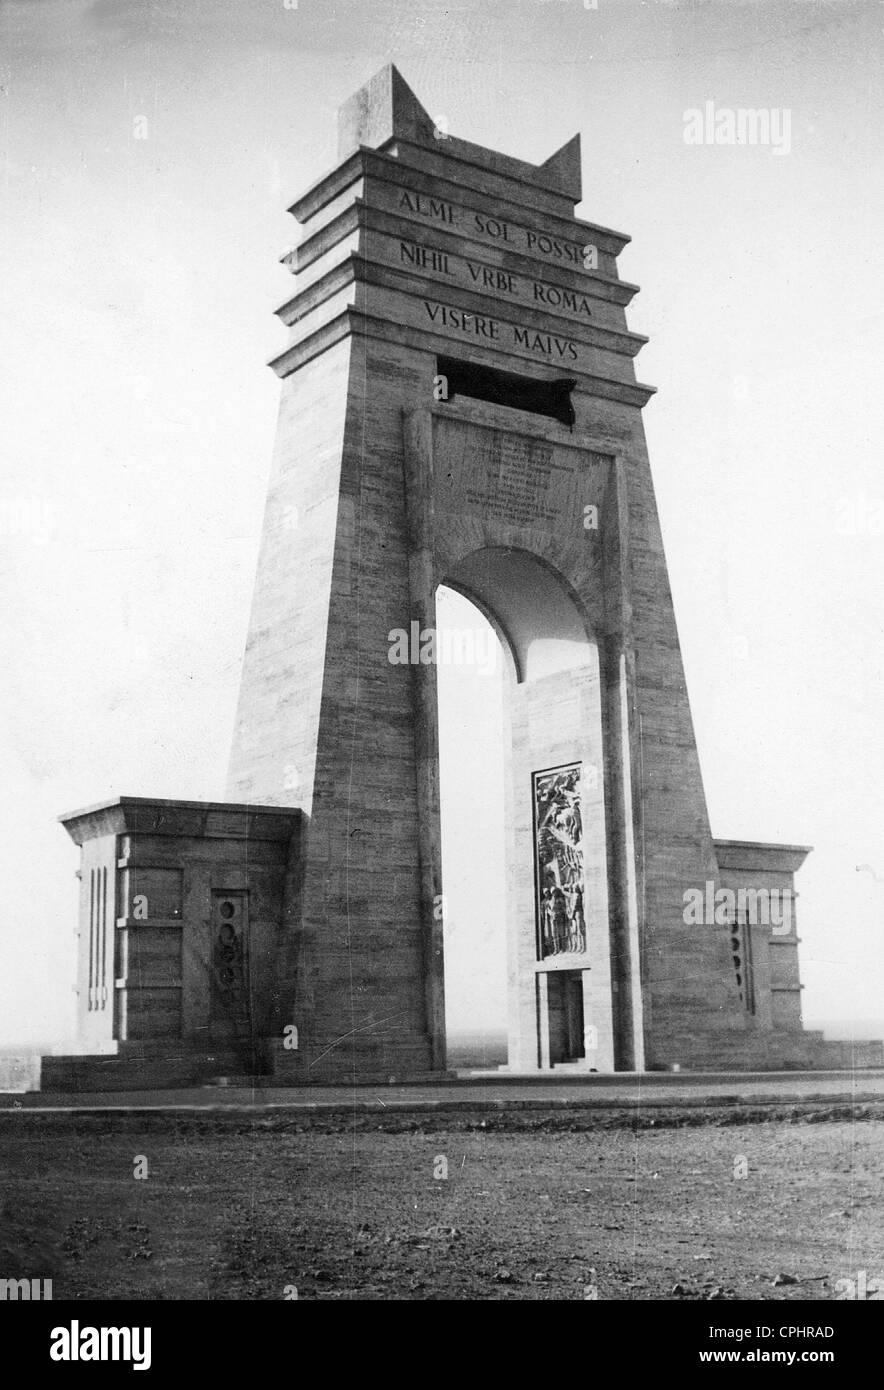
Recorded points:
(91, 931)
(103, 979)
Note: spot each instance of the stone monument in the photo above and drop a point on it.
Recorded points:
(459, 406)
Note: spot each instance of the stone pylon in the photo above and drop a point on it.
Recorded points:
(460, 406)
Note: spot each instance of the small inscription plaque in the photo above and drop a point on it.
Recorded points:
(518, 473)
(516, 479)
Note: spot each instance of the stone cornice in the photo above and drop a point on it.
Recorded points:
(760, 855)
(159, 816)
(373, 164)
(355, 268)
(351, 321)
(488, 417)
(593, 283)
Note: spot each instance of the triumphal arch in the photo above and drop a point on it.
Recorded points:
(459, 407)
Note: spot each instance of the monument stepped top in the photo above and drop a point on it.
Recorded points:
(386, 110)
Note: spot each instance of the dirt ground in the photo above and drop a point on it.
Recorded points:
(525, 1205)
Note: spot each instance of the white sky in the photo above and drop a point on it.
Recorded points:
(137, 283)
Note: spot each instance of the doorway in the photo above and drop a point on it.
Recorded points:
(566, 1027)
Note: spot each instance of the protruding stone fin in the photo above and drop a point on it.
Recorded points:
(384, 109)
(563, 169)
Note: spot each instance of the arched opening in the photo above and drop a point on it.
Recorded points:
(524, 848)
(470, 675)
(530, 608)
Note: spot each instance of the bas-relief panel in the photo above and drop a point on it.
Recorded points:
(560, 878)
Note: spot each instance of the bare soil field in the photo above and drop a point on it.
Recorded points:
(719, 1204)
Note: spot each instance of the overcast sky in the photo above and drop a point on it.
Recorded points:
(149, 152)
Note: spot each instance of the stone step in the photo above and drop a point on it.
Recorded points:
(775, 1051)
(373, 1060)
(124, 1073)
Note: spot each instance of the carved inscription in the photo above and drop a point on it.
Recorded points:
(478, 324)
(435, 208)
(488, 278)
(495, 229)
(491, 280)
(517, 479)
(548, 345)
(424, 257)
(525, 291)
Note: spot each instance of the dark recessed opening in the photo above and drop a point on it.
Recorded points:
(550, 398)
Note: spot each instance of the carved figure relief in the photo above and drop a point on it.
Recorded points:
(561, 886)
